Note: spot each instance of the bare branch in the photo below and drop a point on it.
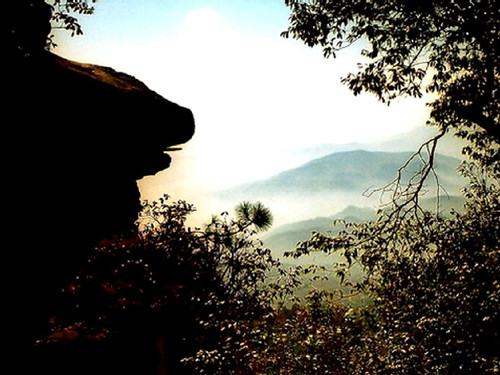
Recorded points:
(403, 193)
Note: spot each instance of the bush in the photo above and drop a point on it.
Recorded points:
(434, 283)
(188, 290)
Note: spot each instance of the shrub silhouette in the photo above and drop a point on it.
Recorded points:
(167, 291)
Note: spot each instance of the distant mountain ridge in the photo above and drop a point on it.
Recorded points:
(328, 184)
(351, 171)
(286, 237)
(310, 197)
(449, 145)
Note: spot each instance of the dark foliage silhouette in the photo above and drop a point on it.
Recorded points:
(167, 293)
(74, 155)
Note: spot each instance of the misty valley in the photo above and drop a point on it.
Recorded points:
(328, 192)
(338, 186)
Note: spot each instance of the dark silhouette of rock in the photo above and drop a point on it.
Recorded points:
(77, 137)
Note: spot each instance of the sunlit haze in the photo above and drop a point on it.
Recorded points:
(258, 99)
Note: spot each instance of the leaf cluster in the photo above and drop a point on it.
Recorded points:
(65, 16)
(445, 49)
(210, 284)
(433, 282)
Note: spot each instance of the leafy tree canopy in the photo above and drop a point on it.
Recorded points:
(433, 280)
(65, 13)
(448, 49)
(199, 290)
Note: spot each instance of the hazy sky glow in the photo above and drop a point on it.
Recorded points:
(255, 96)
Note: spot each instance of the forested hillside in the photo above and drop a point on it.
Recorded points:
(284, 238)
(351, 171)
(325, 186)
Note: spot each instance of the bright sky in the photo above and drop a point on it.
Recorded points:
(255, 96)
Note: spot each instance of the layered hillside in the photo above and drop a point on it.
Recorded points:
(327, 185)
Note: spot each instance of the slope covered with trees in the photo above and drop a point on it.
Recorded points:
(350, 171)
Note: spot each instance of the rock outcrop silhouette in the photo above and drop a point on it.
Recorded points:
(77, 137)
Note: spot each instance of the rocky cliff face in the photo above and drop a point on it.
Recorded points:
(76, 139)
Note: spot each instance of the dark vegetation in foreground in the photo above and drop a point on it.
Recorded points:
(215, 301)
